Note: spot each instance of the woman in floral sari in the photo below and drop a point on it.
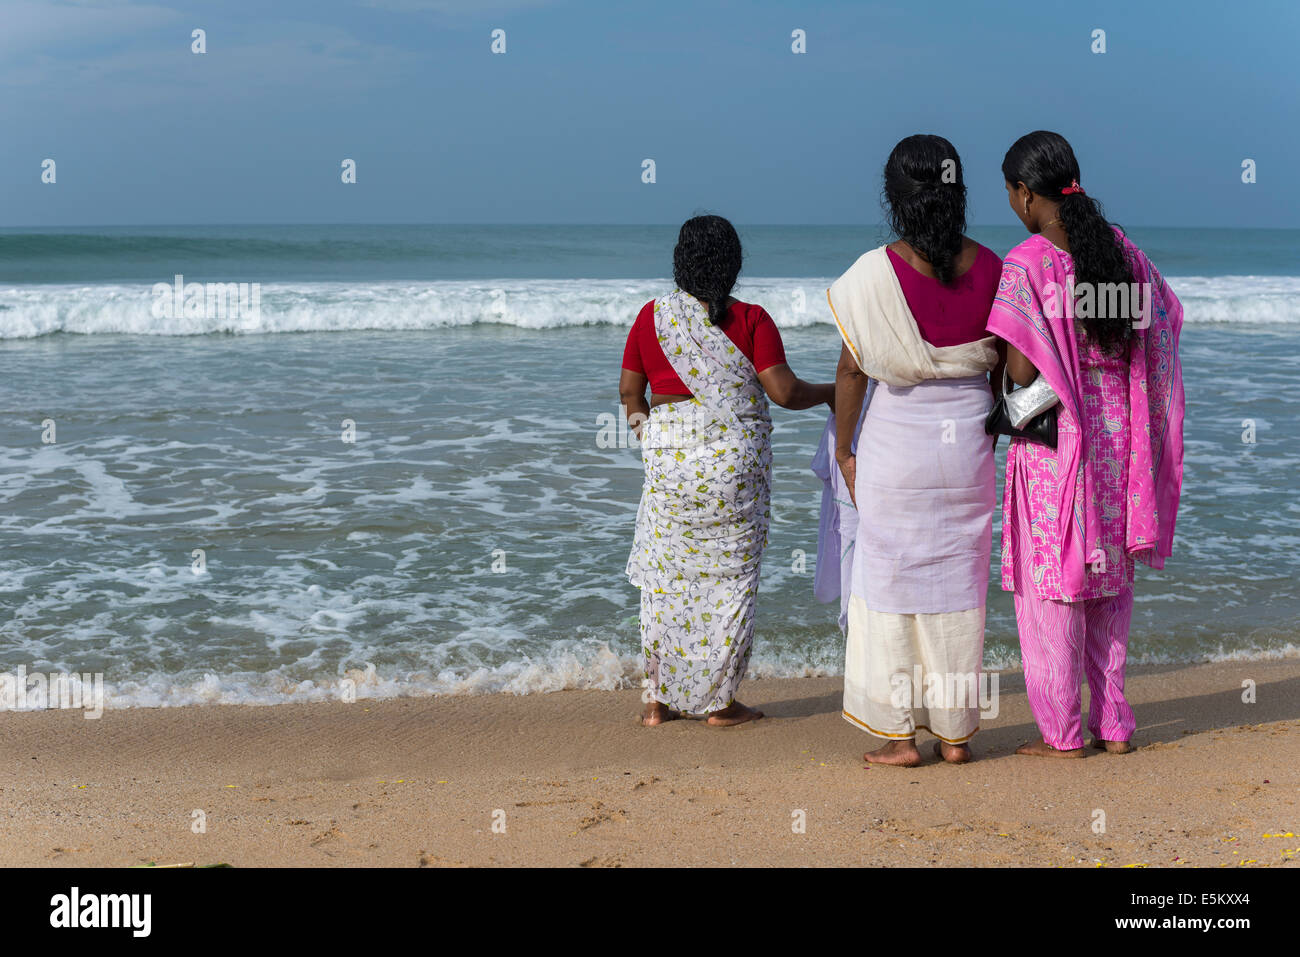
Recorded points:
(712, 362)
(1080, 305)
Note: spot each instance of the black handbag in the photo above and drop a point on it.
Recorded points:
(1041, 428)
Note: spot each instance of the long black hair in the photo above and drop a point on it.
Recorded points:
(925, 200)
(707, 261)
(1045, 163)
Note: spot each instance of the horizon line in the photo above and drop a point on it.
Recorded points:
(746, 225)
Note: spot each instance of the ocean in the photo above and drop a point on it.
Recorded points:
(394, 474)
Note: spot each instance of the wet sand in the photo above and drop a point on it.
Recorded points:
(572, 779)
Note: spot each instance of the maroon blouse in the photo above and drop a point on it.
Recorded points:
(951, 315)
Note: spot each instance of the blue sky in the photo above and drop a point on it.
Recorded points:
(556, 128)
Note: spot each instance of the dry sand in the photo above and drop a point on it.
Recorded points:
(576, 781)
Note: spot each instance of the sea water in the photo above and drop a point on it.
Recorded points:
(395, 477)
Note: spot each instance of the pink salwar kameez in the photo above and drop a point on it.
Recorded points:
(1076, 518)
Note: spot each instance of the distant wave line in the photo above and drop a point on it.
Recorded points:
(126, 308)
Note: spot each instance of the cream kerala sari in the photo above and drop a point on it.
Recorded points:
(925, 496)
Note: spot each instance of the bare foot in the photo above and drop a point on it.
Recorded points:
(734, 713)
(952, 753)
(901, 754)
(1112, 747)
(656, 712)
(1041, 749)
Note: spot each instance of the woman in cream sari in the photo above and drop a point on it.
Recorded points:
(912, 318)
(712, 363)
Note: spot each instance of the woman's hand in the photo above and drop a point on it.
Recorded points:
(631, 396)
(850, 390)
(790, 392)
(848, 464)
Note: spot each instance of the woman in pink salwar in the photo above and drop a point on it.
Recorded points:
(1083, 307)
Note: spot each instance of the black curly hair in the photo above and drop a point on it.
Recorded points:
(707, 261)
(925, 200)
(1045, 163)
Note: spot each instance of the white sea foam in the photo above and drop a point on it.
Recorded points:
(39, 310)
(597, 668)
(373, 562)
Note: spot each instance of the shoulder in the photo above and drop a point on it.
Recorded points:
(643, 327)
(1014, 284)
(865, 266)
(748, 312)
(1026, 252)
(880, 253)
(986, 258)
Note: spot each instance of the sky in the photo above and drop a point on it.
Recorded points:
(555, 129)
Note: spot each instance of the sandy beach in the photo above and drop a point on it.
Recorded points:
(571, 779)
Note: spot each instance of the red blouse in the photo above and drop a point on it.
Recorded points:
(747, 325)
(951, 315)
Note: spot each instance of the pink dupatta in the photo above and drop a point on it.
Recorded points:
(1034, 280)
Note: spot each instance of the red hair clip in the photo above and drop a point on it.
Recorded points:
(1074, 187)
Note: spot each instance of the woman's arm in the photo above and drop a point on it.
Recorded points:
(631, 393)
(850, 387)
(995, 376)
(790, 392)
(1021, 370)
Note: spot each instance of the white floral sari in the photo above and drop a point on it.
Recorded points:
(702, 524)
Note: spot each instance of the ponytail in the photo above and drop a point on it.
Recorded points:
(1098, 259)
